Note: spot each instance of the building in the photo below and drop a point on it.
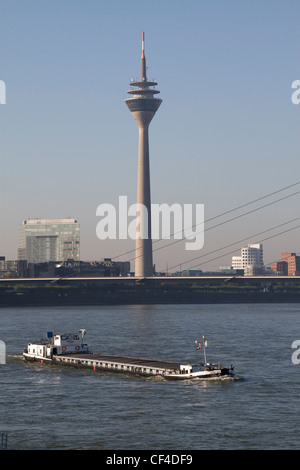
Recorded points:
(12, 268)
(143, 107)
(288, 266)
(293, 263)
(229, 271)
(280, 268)
(104, 268)
(236, 262)
(49, 240)
(251, 260)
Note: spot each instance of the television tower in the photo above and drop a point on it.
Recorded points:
(143, 107)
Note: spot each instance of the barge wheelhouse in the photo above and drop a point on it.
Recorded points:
(56, 345)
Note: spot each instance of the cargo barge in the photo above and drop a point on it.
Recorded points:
(71, 350)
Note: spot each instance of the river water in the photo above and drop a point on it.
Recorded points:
(52, 407)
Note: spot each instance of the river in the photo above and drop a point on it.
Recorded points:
(53, 407)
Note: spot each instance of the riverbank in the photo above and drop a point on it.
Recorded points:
(150, 291)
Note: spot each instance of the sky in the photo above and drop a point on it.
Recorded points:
(226, 133)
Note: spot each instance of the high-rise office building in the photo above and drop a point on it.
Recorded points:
(45, 240)
(143, 107)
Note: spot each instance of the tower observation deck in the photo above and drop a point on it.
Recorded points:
(143, 106)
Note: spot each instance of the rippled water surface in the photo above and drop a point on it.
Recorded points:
(52, 407)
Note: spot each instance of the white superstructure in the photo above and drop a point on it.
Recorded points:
(56, 344)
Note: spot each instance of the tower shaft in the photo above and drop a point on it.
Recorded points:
(143, 256)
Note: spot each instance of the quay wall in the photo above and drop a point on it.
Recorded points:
(130, 291)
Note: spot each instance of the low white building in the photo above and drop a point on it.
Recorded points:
(251, 260)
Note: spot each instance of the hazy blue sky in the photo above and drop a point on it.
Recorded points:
(225, 134)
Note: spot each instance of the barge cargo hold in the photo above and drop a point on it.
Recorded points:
(70, 350)
(146, 367)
